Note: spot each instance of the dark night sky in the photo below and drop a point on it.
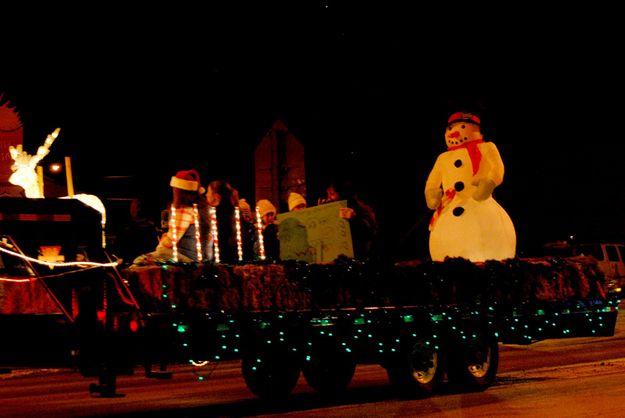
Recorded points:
(366, 89)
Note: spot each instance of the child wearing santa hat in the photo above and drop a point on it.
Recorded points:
(187, 214)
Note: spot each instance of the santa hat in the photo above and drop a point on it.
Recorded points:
(187, 180)
(463, 117)
(264, 207)
(296, 199)
(246, 210)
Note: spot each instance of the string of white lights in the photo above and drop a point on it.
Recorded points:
(237, 219)
(58, 264)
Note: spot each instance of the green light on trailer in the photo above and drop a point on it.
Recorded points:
(359, 321)
(182, 328)
(222, 327)
(408, 318)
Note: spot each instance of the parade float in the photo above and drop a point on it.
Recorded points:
(63, 301)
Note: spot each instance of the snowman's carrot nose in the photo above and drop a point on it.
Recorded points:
(454, 134)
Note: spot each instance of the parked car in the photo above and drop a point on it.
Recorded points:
(611, 258)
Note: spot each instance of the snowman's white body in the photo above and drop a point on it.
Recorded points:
(477, 230)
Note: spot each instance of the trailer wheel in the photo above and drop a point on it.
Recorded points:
(328, 370)
(418, 371)
(270, 373)
(473, 363)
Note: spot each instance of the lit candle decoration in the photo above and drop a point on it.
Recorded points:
(70, 178)
(172, 228)
(259, 228)
(213, 218)
(237, 220)
(196, 222)
(40, 180)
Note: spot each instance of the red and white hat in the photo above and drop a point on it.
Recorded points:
(187, 180)
(463, 117)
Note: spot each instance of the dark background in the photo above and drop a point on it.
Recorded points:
(140, 94)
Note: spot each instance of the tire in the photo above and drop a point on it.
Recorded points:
(419, 371)
(328, 370)
(474, 361)
(270, 372)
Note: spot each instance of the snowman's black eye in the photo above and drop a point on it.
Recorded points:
(462, 126)
(449, 129)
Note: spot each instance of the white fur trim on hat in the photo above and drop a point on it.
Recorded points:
(296, 199)
(186, 180)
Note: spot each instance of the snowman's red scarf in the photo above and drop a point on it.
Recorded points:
(473, 150)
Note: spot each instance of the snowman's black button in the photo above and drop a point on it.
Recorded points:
(458, 211)
(459, 186)
(458, 163)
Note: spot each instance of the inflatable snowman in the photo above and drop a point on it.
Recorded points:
(467, 221)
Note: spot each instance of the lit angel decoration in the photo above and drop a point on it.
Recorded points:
(25, 175)
(25, 165)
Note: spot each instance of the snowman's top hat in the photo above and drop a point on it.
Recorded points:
(463, 117)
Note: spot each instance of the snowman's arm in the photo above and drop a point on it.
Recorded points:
(484, 189)
(433, 186)
(492, 164)
(490, 174)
